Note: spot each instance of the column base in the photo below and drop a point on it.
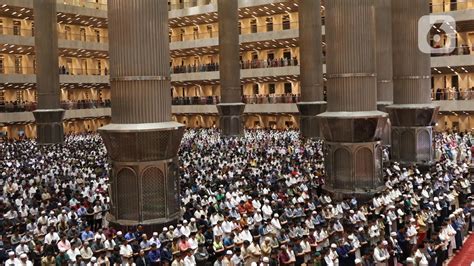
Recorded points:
(144, 182)
(381, 106)
(309, 123)
(231, 119)
(149, 226)
(354, 169)
(49, 126)
(412, 145)
(412, 132)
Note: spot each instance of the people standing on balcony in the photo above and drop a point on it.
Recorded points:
(438, 94)
(257, 63)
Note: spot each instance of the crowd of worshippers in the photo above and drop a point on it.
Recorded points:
(256, 200)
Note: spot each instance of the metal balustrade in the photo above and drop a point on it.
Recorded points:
(27, 106)
(452, 94)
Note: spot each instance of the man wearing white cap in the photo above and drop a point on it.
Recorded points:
(12, 260)
(155, 240)
(412, 232)
(185, 230)
(22, 248)
(332, 257)
(162, 236)
(420, 258)
(226, 261)
(267, 210)
(358, 262)
(24, 261)
(169, 233)
(276, 222)
(193, 225)
(381, 254)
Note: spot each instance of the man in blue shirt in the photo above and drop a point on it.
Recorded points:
(130, 235)
(228, 241)
(154, 255)
(87, 234)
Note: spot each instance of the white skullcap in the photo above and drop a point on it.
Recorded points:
(333, 245)
(23, 256)
(229, 252)
(357, 261)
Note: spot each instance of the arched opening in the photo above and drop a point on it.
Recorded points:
(153, 187)
(127, 195)
(342, 168)
(364, 174)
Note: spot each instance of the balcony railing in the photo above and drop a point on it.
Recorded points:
(273, 98)
(85, 104)
(462, 50)
(243, 31)
(63, 35)
(84, 3)
(195, 68)
(16, 31)
(27, 106)
(17, 70)
(196, 100)
(282, 62)
(447, 6)
(62, 71)
(188, 4)
(249, 64)
(450, 94)
(82, 71)
(194, 36)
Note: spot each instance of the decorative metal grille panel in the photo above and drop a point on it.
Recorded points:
(407, 146)
(364, 168)
(153, 187)
(173, 188)
(342, 168)
(424, 145)
(127, 194)
(395, 147)
(378, 165)
(121, 146)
